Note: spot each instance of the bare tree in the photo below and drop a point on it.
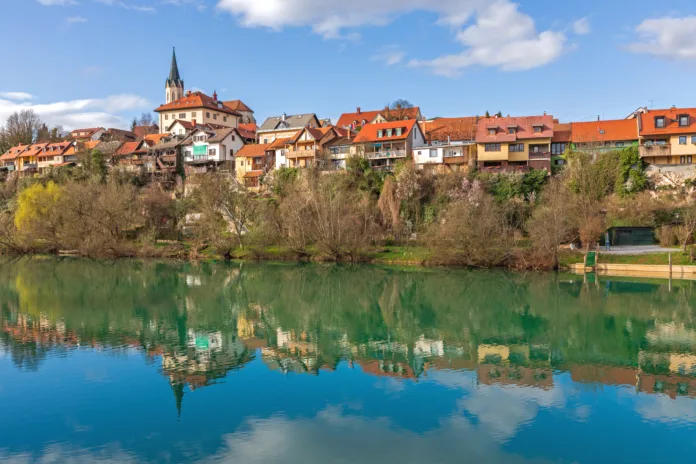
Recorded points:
(22, 128)
(551, 224)
(685, 231)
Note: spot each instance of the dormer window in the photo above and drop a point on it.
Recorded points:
(364, 122)
(659, 122)
(492, 130)
(389, 132)
(601, 131)
(538, 129)
(683, 120)
(512, 130)
(399, 131)
(380, 133)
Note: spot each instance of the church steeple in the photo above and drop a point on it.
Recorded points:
(175, 85)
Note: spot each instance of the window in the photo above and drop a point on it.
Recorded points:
(380, 134)
(512, 130)
(389, 132)
(233, 137)
(182, 115)
(558, 148)
(682, 160)
(538, 129)
(166, 117)
(517, 147)
(207, 114)
(265, 141)
(224, 118)
(193, 114)
(659, 122)
(683, 120)
(433, 153)
(415, 135)
(492, 131)
(399, 131)
(619, 144)
(682, 140)
(231, 153)
(693, 139)
(214, 115)
(492, 147)
(212, 152)
(689, 159)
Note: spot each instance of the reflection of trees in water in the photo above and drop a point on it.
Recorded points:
(404, 320)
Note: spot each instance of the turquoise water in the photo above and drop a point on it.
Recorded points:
(133, 361)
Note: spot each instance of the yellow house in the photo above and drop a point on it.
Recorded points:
(518, 143)
(251, 163)
(668, 137)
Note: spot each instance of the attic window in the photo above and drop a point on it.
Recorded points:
(380, 133)
(683, 120)
(538, 129)
(659, 122)
(364, 122)
(389, 132)
(399, 131)
(492, 130)
(601, 131)
(512, 130)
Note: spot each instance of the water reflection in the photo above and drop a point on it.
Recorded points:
(498, 358)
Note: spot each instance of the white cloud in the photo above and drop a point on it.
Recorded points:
(119, 3)
(77, 19)
(73, 114)
(198, 4)
(582, 26)
(671, 38)
(17, 96)
(501, 36)
(389, 55)
(57, 2)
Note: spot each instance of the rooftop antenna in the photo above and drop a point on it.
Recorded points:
(652, 104)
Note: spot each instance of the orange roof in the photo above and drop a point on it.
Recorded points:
(279, 143)
(141, 131)
(444, 129)
(524, 129)
(154, 139)
(237, 105)
(127, 148)
(604, 131)
(13, 152)
(252, 174)
(196, 100)
(356, 119)
(252, 151)
(251, 127)
(316, 133)
(33, 150)
(90, 131)
(647, 122)
(91, 145)
(562, 133)
(369, 132)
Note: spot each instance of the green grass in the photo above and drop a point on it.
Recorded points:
(678, 259)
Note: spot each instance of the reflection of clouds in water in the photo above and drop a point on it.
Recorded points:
(501, 409)
(65, 454)
(333, 436)
(390, 385)
(662, 408)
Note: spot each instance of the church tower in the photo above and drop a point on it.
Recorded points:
(175, 86)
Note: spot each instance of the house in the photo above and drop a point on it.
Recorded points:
(248, 132)
(560, 142)
(112, 135)
(27, 160)
(514, 143)
(197, 108)
(339, 149)
(247, 114)
(127, 156)
(668, 137)
(360, 118)
(384, 144)
(207, 149)
(142, 131)
(252, 162)
(599, 136)
(451, 144)
(9, 158)
(306, 147)
(53, 155)
(85, 135)
(280, 150)
(283, 126)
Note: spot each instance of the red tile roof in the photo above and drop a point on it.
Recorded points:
(279, 143)
(369, 132)
(253, 174)
(524, 129)
(196, 100)
(33, 150)
(246, 134)
(91, 145)
(316, 133)
(252, 151)
(185, 124)
(444, 129)
(237, 105)
(90, 131)
(647, 122)
(251, 127)
(561, 133)
(604, 131)
(142, 131)
(154, 139)
(126, 149)
(348, 119)
(13, 152)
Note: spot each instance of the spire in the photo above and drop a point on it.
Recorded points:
(178, 389)
(174, 72)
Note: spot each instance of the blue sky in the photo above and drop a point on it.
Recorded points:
(100, 62)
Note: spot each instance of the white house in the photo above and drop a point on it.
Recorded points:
(211, 149)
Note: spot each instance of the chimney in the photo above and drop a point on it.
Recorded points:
(215, 95)
(193, 121)
(283, 117)
(188, 93)
(359, 110)
(599, 118)
(544, 113)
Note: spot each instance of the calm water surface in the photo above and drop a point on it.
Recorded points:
(158, 362)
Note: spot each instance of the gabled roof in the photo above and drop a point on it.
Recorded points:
(89, 131)
(108, 148)
(57, 148)
(369, 132)
(450, 129)
(349, 119)
(196, 100)
(561, 133)
(33, 150)
(142, 131)
(279, 143)
(252, 151)
(91, 145)
(127, 148)
(316, 133)
(252, 174)
(237, 105)
(604, 131)
(13, 152)
(298, 121)
(119, 133)
(185, 124)
(524, 129)
(152, 139)
(246, 134)
(647, 122)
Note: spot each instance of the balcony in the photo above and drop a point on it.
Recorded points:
(302, 154)
(388, 154)
(199, 158)
(539, 155)
(654, 150)
(458, 159)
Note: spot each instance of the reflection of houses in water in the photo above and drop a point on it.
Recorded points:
(519, 365)
(293, 353)
(671, 373)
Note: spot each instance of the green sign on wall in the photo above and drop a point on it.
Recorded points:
(200, 149)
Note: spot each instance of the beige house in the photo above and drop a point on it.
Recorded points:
(285, 126)
(197, 108)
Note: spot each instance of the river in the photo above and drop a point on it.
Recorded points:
(139, 361)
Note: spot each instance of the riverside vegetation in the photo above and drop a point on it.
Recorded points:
(477, 219)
